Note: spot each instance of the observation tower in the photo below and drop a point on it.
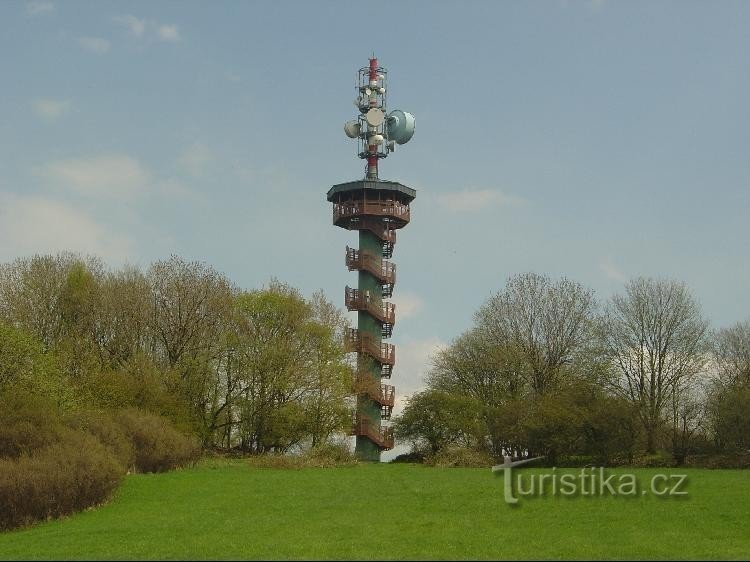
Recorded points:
(376, 208)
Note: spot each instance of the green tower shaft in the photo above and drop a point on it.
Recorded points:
(367, 367)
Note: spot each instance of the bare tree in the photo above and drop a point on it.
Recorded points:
(731, 353)
(656, 337)
(191, 305)
(546, 323)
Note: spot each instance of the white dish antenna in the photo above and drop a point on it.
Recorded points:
(375, 117)
(401, 126)
(352, 129)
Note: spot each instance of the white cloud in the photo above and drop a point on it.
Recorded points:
(408, 305)
(143, 28)
(471, 200)
(413, 361)
(39, 8)
(30, 225)
(94, 44)
(111, 176)
(195, 159)
(610, 270)
(50, 109)
(136, 26)
(168, 33)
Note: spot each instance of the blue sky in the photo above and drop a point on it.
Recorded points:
(597, 140)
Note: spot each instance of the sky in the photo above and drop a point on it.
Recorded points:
(596, 140)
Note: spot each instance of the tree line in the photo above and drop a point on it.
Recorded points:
(546, 369)
(255, 371)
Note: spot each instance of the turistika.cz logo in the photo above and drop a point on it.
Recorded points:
(592, 482)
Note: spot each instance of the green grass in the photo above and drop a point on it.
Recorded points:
(228, 510)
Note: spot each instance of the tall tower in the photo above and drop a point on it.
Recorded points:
(376, 208)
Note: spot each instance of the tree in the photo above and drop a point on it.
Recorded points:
(123, 330)
(547, 324)
(32, 289)
(729, 399)
(731, 352)
(435, 419)
(294, 375)
(489, 375)
(656, 337)
(25, 369)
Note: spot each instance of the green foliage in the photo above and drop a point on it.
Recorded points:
(434, 419)
(459, 457)
(26, 369)
(610, 429)
(730, 410)
(327, 455)
(260, 371)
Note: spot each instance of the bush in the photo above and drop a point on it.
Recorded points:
(327, 455)
(72, 474)
(27, 424)
(455, 457)
(725, 460)
(412, 457)
(660, 459)
(110, 433)
(158, 446)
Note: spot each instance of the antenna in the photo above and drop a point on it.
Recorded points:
(376, 132)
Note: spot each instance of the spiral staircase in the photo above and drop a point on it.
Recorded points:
(376, 209)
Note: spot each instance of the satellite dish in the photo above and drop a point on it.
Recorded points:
(375, 139)
(352, 129)
(381, 90)
(400, 126)
(375, 117)
(368, 91)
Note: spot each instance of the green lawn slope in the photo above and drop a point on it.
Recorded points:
(223, 509)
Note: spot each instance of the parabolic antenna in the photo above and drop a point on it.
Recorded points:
(352, 129)
(375, 117)
(400, 126)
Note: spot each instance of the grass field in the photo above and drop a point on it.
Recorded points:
(228, 510)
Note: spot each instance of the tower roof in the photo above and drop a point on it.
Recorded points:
(407, 193)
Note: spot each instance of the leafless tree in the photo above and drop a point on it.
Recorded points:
(731, 352)
(656, 336)
(546, 323)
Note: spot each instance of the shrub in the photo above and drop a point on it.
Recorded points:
(27, 423)
(326, 455)
(329, 455)
(455, 457)
(659, 459)
(158, 446)
(110, 433)
(411, 457)
(72, 474)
